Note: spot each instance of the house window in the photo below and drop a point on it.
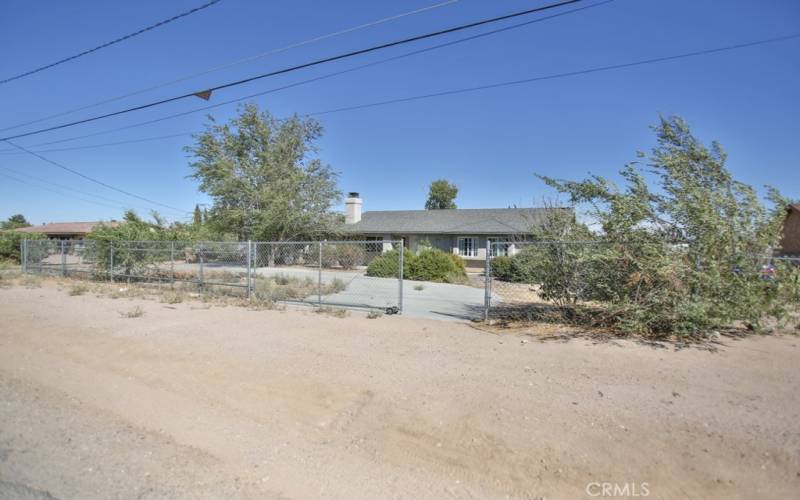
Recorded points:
(468, 247)
(499, 247)
(377, 246)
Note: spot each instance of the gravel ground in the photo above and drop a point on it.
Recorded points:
(195, 402)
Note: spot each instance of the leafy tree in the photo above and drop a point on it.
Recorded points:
(15, 222)
(441, 195)
(264, 177)
(11, 244)
(198, 216)
(681, 246)
(139, 244)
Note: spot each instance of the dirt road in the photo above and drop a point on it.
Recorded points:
(189, 401)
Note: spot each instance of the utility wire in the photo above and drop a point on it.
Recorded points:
(502, 84)
(561, 75)
(12, 151)
(66, 195)
(92, 179)
(554, 76)
(299, 83)
(317, 62)
(239, 61)
(68, 188)
(112, 42)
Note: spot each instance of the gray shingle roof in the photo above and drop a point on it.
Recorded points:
(456, 221)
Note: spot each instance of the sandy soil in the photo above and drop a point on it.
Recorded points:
(189, 401)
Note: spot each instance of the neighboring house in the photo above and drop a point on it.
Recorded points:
(462, 231)
(66, 230)
(790, 241)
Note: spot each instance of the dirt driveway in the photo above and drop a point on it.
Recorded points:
(190, 401)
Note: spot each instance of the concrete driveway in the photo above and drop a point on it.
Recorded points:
(434, 300)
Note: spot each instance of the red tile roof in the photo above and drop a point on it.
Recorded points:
(66, 227)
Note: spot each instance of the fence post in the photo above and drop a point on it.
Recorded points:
(254, 263)
(487, 286)
(319, 276)
(249, 265)
(23, 255)
(200, 253)
(400, 276)
(111, 261)
(63, 259)
(172, 262)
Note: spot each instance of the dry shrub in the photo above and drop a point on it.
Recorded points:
(136, 312)
(283, 287)
(336, 312)
(78, 289)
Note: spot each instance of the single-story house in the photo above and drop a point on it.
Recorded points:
(790, 241)
(66, 230)
(462, 231)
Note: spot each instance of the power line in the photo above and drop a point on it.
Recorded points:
(561, 75)
(554, 76)
(297, 84)
(112, 42)
(67, 195)
(92, 179)
(317, 62)
(12, 151)
(68, 188)
(239, 61)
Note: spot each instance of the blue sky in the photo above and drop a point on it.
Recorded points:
(490, 143)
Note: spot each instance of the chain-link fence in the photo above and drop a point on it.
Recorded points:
(314, 272)
(329, 273)
(517, 270)
(60, 257)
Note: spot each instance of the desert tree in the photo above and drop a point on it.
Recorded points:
(264, 176)
(681, 243)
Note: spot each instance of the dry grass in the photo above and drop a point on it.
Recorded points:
(8, 277)
(374, 315)
(31, 281)
(267, 294)
(282, 287)
(9, 272)
(78, 289)
(171, 298)
(336, 312)
(136, 312)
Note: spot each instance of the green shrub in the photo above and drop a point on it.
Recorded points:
(523, 267)
(11, 243)
(461, 267)
(435, 265)
(429, 265)
(386, 265)
(501, 268)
